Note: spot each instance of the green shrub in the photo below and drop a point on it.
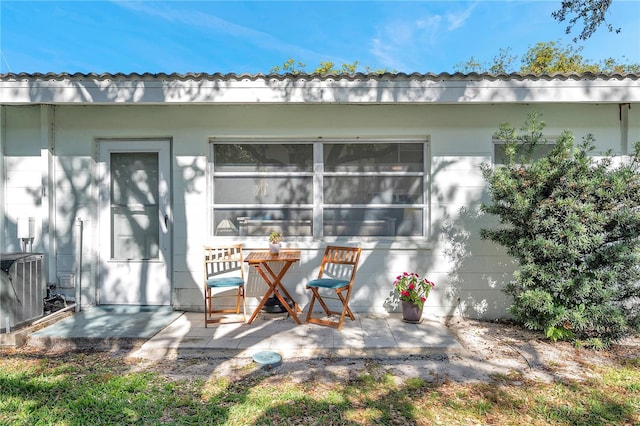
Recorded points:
(573, 224)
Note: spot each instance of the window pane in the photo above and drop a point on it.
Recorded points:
(372, 222)
(263, 190)
(370, 157)
(263, 157)
(260, 222)
(134, 232)
(373, 189)
(134, 178)
(135, 228)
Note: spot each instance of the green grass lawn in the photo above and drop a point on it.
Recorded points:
(103, 389)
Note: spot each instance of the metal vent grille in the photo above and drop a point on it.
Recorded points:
(22, 289)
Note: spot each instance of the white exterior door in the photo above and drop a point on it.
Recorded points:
(134, 222)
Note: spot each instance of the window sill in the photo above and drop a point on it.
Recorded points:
(366, 243)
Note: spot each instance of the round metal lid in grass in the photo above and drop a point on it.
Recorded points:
(267, 358)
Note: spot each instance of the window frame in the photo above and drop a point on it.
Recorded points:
(317, 174)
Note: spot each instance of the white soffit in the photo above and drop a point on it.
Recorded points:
(314, 89)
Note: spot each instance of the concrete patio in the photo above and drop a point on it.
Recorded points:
(156, 333)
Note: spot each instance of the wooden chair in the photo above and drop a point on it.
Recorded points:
(223, 269)
(337, 273)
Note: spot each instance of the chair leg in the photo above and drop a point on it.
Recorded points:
(345, 307)
(209, 311)
(241, 294)
(345, 310)
(327, 311)
(313, 301)
(206, 306)
(238, 300)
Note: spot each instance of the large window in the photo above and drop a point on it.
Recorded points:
(319, 188)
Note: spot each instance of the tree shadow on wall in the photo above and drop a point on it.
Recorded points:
(479, 268)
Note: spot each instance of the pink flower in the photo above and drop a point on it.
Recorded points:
(412, 288)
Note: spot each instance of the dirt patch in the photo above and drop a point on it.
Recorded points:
(528, 354)
(492, 351)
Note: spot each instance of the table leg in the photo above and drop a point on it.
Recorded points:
(277, 282)
(275, 285)
(264, 298)
(278, 286)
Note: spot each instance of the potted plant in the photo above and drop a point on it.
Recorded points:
(413, 292)
(274, 242)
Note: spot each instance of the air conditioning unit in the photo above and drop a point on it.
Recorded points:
(22, 289)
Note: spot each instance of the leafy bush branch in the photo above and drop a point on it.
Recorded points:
(573, 224)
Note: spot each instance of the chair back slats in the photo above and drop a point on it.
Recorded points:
(339, 262)
(223, 260)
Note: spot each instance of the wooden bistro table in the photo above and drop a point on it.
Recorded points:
(261, 260)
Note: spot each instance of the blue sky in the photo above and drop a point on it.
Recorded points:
(252, 37)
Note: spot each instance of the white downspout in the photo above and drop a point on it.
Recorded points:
(2, 177)
(624, 128)
(79, 226)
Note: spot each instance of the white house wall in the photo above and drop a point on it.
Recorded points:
(469, 272)
(22, 172)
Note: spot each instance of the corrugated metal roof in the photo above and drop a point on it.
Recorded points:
(305, 76)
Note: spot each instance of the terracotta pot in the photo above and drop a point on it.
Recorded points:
(411, 313)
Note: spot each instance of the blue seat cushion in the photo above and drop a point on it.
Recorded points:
(225, 282)
(328, 283)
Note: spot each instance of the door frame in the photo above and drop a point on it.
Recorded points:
(164, 148)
